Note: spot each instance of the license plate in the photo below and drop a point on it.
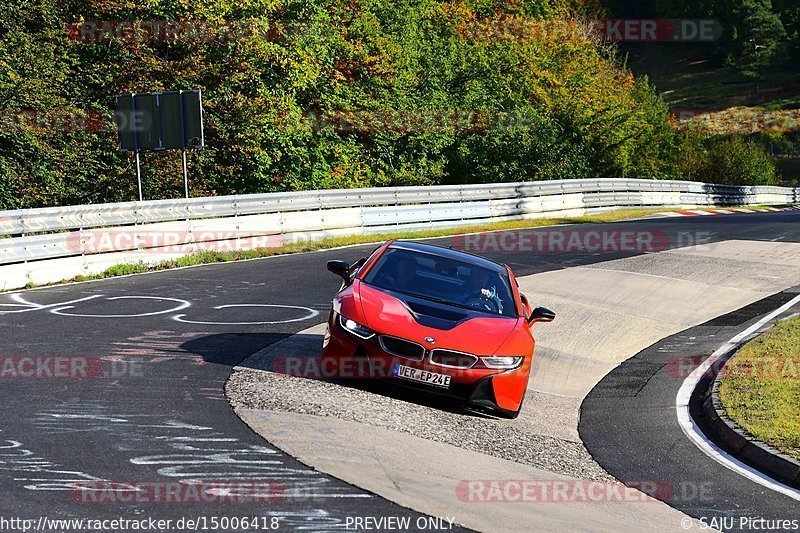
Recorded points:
(421, 376)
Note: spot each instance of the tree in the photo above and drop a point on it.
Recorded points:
(758, 37)
(789, 11)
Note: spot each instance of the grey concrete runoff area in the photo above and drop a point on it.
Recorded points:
(416, 453)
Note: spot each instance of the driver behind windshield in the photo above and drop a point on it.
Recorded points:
(480, 294)
(445, 281)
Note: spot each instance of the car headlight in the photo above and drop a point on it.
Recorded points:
(355, 328)
(502, 362)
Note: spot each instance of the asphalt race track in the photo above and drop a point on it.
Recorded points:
(165, 344)
(630, 427)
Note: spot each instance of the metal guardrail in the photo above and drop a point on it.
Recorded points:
(59, 232)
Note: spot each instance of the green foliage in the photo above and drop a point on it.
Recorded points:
(758, 36)
(789, 12)
(125, 269)
(735, 161)
(730, 160)
(325, 94)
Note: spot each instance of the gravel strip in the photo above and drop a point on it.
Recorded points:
(250, 388)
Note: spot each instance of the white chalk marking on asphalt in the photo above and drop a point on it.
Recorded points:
(311, 313)
(182, 304)
(31, 306)
(694, 433)
(87, 417)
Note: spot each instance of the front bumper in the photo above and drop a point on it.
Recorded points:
(483, 388)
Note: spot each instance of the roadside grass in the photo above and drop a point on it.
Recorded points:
(760, 387)
(744, 121)
(210, 257)
(706, 96)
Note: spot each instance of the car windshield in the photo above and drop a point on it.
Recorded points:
(443, 280)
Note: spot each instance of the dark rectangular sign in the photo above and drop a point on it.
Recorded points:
(160, 121)
(123, 118)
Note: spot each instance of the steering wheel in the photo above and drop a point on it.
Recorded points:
(482, 304)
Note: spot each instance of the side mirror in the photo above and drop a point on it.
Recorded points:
(341, 269)
(541, 314)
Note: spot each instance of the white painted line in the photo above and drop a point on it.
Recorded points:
(694, 433)
(311, 313)
(181, 304)
(743, 210)
(706, 213)
(31, 306)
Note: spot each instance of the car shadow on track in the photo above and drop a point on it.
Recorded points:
(230, 349)
(299, 356)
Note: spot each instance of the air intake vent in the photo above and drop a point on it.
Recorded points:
(453, 359)
(436, 312)
(402, 348)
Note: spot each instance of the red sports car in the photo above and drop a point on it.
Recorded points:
(435, 318)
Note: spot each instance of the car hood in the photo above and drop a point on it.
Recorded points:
(416, 319)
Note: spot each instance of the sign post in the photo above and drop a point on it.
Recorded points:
(161, 121)
(139, 175)
(185, 173)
